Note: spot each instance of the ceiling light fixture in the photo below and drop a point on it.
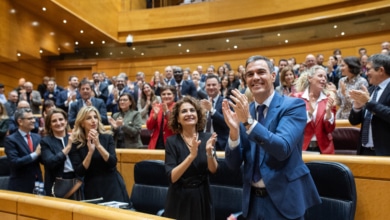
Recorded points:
(235, 47)
(103, 42)
(335, 26)
(18, 54)
(91, 42)
(81, 31)
(179, 45)
(43, 9)
(227, 40)
(286, 41)
(342, 33)
(64, 21)
(40, 51)
(76, 43)
(278, 34)
(12, 11)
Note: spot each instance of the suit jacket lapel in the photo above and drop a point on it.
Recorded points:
(385, 94)
(24, 143)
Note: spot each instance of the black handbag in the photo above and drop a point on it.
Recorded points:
(67, 188)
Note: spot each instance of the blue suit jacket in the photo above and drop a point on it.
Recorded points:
(287, 178)
(380, 122)
(103, 88)
(62, 97)
(187, 88)
(24, 170)
(76, 106)
(219, 125)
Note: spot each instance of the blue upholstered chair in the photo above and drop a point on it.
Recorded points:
(336, 186)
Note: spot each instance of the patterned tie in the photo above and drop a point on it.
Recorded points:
(367, 119)
(29, 142)
(256, 171)
(179, 96)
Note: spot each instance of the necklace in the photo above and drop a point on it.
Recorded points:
(188, 145)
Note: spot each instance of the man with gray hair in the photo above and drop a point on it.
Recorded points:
(33, 97)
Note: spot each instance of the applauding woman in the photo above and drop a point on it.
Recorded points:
(320, 109)
(93, 157)
(145, 102)
(55, 147)
(158, 119)
(189, 158)
(127, 124)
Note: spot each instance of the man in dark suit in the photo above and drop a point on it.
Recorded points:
(113, 98)
(276, 184)
(183, 87)
(13, 123)
(23, 150)
(213, 106)
(11, 103)
(67, 97)
(100, 88)
(85, 90)
(371, 108)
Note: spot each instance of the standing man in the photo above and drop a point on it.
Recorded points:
(12, 103)
(33, 97)
(23, 150)
(213, 106)
(86, 99)
(183, 87)
(66, 97)
(99, 88)
(371, 108)
(276, 184)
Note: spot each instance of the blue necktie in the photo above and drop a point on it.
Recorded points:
(367, 119)
(256, 171)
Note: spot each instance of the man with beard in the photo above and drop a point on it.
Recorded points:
(183, 87)
(99, 88)
(66, 97)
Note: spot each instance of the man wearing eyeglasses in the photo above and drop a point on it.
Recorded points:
(23, 150)
(13, 123)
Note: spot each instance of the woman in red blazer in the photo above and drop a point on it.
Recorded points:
(320, 110)
(157, 122)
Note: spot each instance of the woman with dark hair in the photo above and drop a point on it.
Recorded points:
(157, 122)
(127, 123)
(287, 78)
(189, 159)
(48, 105)
(94, 159)
(146, 101)
(224, 85)
(234, 82)
(221, 72)
(55, 147)
(350, 68)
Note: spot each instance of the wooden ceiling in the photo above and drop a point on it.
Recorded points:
(108, 44)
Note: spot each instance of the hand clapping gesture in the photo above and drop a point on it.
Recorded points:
(359, 97)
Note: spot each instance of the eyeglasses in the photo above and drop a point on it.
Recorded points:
(177, 71)
(30, 118)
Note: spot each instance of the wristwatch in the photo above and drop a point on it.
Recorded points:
(249, 121)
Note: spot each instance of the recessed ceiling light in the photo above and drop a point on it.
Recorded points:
(142, 54)
(43, 9)
(58, 48)
(81, 31)
(97, 53)
(286, 41)
(40, 51)
(12, 11)
(235, 46)
(121, 52)
(91, 42)
(342, 33)
(227, 40)
(278, 34)
(335, 26)
(179, 45)
(35, 23)
(67, 44)
(64, 21)
(18, 54)
(76, 43)
(133, 48)
(103, 42)
(52, 33)
(110, 53)
(188, 50)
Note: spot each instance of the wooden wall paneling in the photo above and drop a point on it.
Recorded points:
(7, 33)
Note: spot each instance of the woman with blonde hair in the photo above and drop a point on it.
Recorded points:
(93, 158)
(311, 87)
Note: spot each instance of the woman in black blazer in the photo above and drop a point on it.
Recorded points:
(55, 147)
